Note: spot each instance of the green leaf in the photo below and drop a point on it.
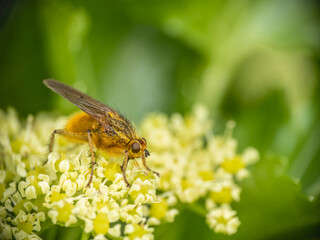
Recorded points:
(272, 205)
(64, 233)
(85, 236)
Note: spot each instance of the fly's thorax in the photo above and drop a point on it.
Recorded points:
(137, 147)
(121, 126)
(107, 140)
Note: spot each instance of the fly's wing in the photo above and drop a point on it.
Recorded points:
(94, 108)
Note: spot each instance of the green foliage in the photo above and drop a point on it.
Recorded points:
(57, 232)
(275, 207)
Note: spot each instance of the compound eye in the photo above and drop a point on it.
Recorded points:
(144, 140)
(135, 147)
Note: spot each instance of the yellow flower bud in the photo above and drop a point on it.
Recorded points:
(224, 196)
(159, 210)
(65, 212)
(111, 170)
(101, 223)
(233, 165)
(55, 196)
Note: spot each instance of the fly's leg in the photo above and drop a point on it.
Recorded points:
(93, 160)
(135, 162)
(74, 136)
(65, 133)
(124, 168)
(145, 165)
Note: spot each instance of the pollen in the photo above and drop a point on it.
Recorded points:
(233, 165)
(111, 170)
(159, 210)
(206, 175)
(55, 196)
(135, 231)
(101, 223)
(64, 212)
(224, 196)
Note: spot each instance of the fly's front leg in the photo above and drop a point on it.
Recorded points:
(124, 168)
(145, 164)
(93, 161)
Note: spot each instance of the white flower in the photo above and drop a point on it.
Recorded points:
(2, 176)
(142, 191)
(223, 220)
(100, 237)
(64, 165)
(250, 155)
(5, 232)
(138, 231)
(171, 214)
(115, 230)
(31, 192)
(131, 213)
(193, 164)
(9, 191)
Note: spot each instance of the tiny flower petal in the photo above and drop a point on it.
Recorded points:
(31, 192)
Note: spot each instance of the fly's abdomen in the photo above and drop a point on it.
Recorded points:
(79, 124)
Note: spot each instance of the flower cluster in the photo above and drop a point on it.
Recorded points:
(192, 163)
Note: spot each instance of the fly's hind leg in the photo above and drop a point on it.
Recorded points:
(65, 133)
(93, 159)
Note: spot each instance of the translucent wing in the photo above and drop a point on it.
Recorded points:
(94, 108)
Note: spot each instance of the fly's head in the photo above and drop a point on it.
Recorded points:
(138, 147)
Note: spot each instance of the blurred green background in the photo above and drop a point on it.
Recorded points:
(256, 62)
